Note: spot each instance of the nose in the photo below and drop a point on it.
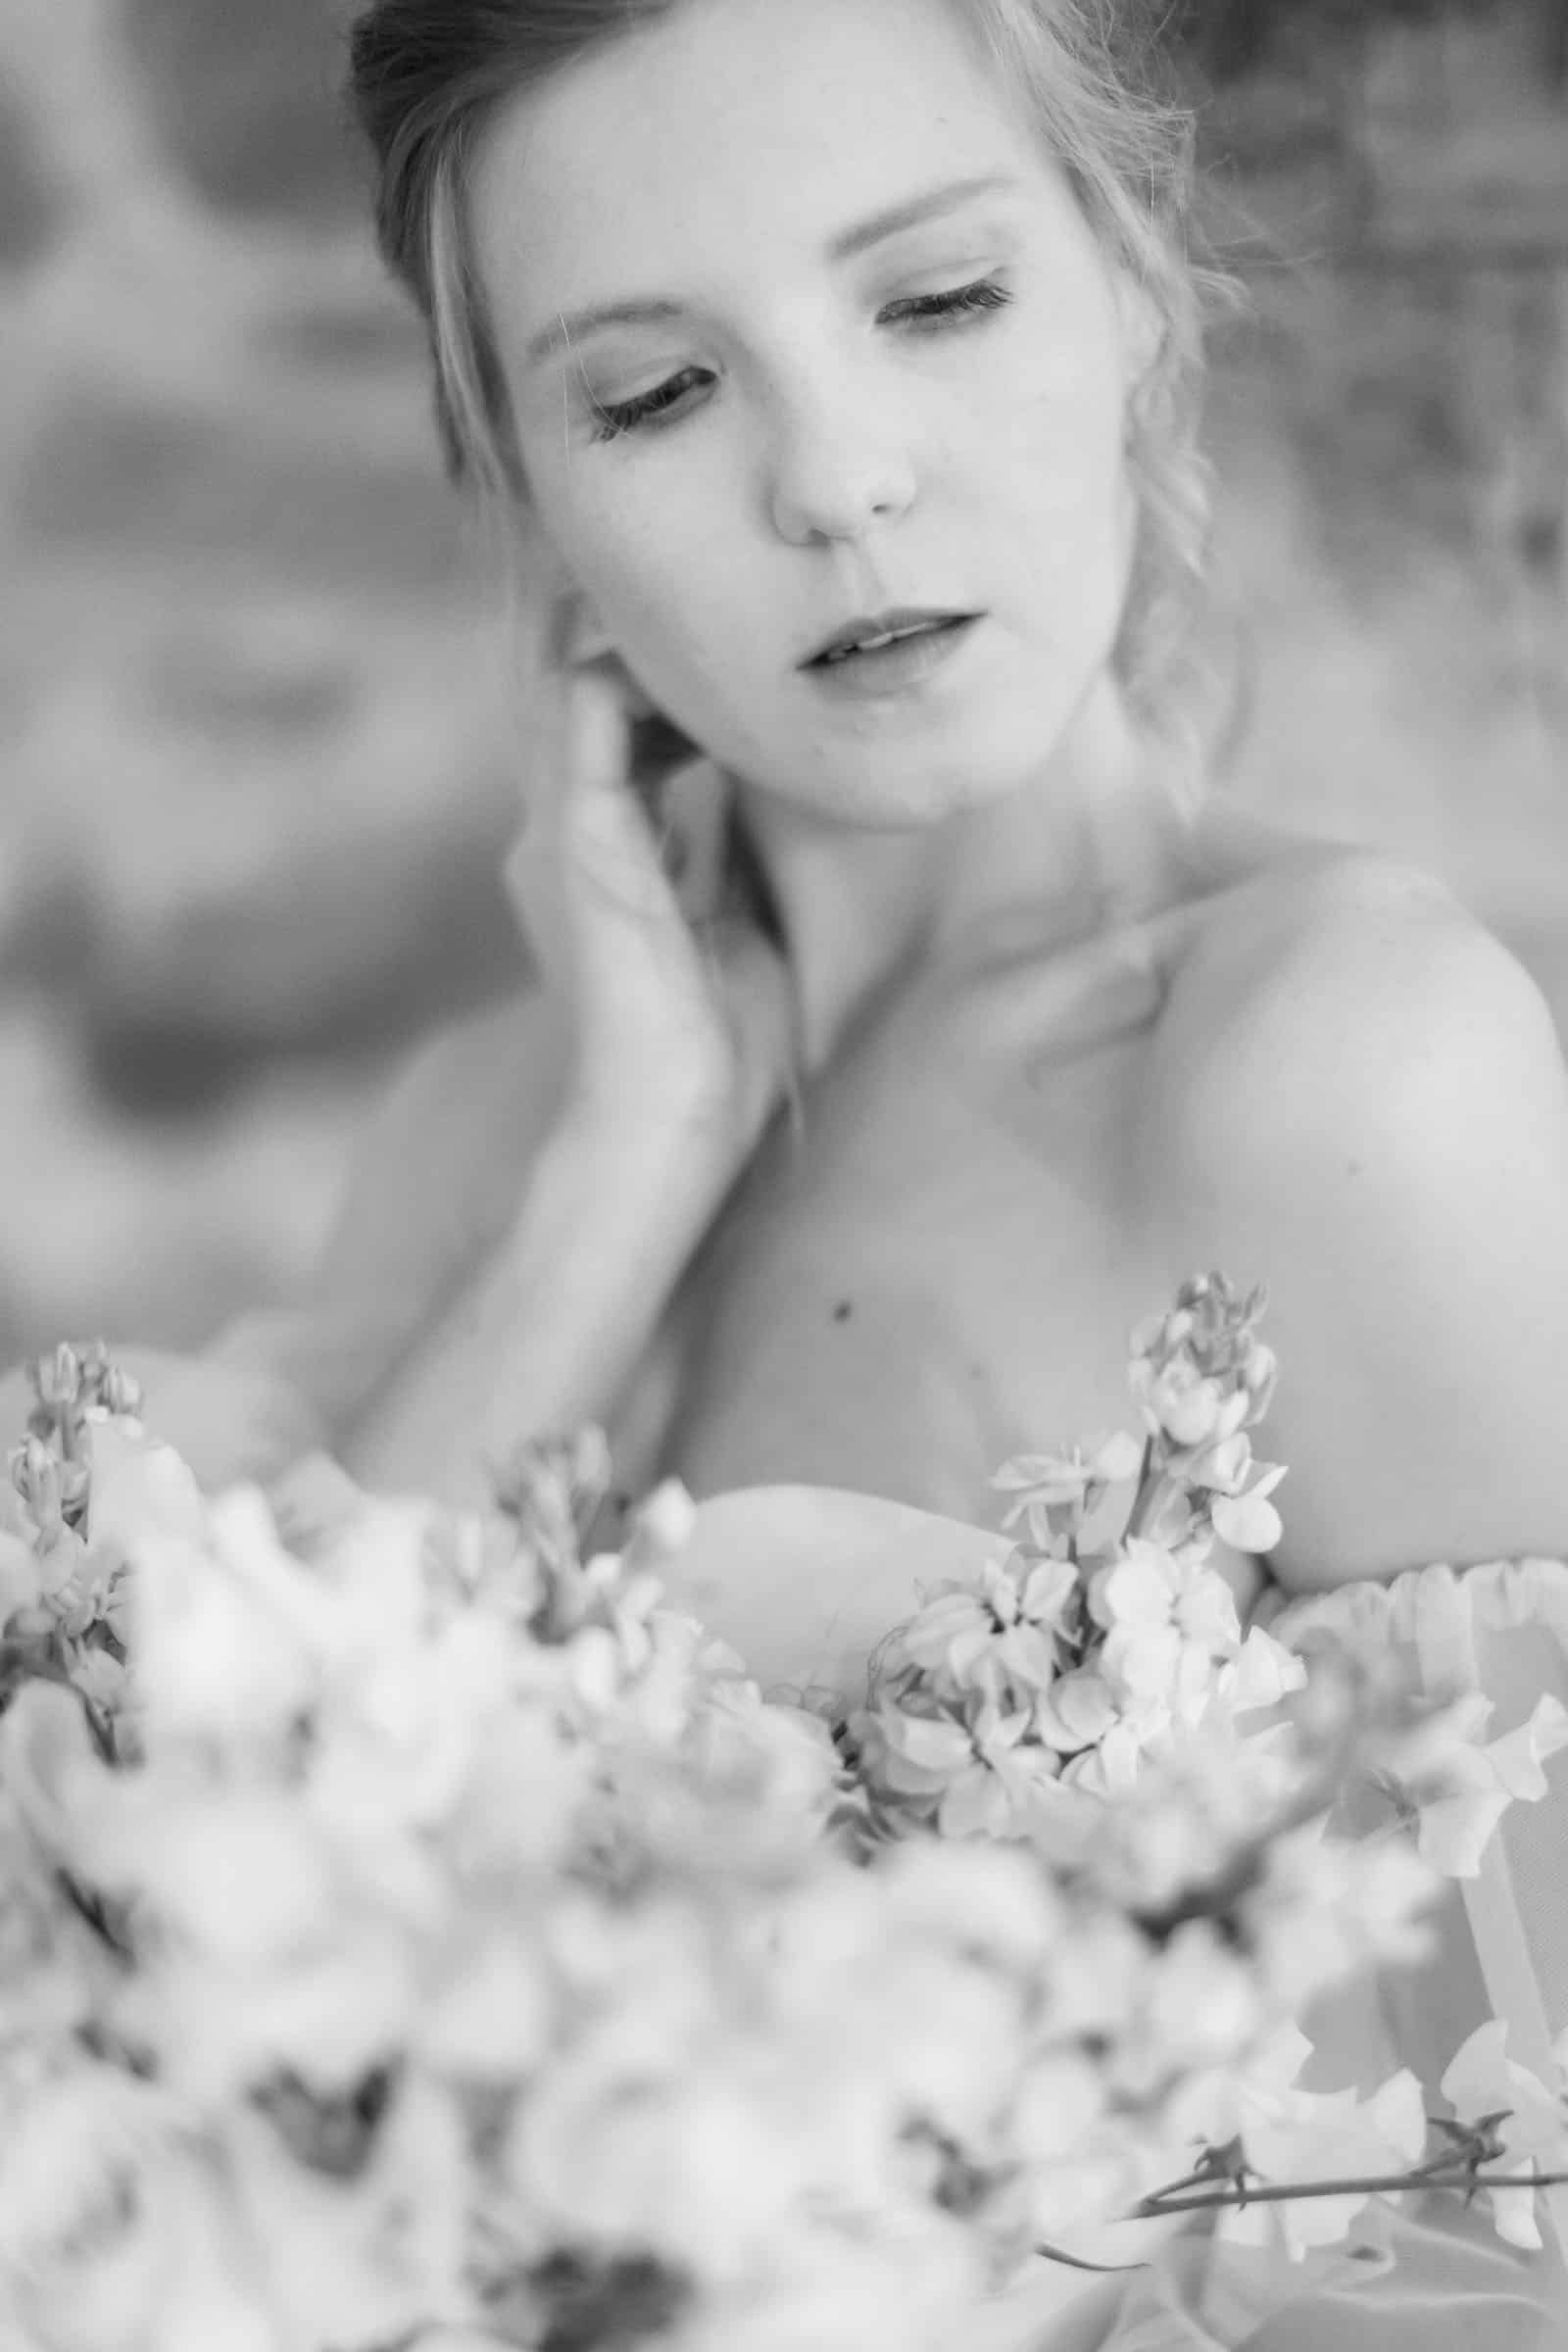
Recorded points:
(835, 467)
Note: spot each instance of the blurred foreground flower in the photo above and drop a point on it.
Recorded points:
(414, 1930)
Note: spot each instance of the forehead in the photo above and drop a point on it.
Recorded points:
(734, 129)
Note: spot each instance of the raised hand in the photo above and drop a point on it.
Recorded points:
(679, 1030)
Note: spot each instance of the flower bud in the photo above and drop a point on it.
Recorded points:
(668, 1516)
(121, 1394)
(36, 1475)
(1188, 1406)
(58, 1377)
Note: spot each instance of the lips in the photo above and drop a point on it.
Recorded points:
(873, 631)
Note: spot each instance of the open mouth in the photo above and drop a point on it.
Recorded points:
(874, 646)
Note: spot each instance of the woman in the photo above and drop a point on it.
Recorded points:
(847, 1156)
(1052, 1043)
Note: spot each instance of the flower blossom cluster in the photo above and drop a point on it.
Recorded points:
(431, 1932)
(413, 1931)
(1063, 1664)
(62, 1594)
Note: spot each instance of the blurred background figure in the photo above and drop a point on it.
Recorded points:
(255, 776)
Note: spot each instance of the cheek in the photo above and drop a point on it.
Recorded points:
(1067, 434)
(675, 598)
(641, 560)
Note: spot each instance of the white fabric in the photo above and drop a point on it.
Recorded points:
(1428, 2275)
(805, 1581)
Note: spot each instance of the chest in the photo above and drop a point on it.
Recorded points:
(939, 1270)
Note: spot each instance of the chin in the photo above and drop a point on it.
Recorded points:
(992, 765)
(914, 804)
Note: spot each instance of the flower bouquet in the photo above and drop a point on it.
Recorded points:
(417, 1934)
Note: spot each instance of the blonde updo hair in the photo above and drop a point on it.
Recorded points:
(429, 76)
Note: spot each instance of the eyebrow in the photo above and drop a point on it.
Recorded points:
(570, 327)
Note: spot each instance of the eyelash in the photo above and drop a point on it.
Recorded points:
(948, 309)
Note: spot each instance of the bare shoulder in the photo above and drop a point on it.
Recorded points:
(1360, 1100)
(1358, 980)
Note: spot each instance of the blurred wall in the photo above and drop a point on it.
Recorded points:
(255, 771)
(255, 775)
(1393, 435)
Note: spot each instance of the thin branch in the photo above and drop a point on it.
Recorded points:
(1371, 2184)
(1423, 2176)
(1076, 2262)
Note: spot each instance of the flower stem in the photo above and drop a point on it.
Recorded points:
(1442, 2175)
(1148, 1495)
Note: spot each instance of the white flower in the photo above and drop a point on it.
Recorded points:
(997, 1637)
(1180, 1402)
(1060, 2099)
(1096, 1980)
(216, 2298)
(489, 2012)
(681, 2159)
(666, 1519)
(931, 1744)
(995, 1905)
(786, 1750)
(1260, 1674)
(1056, 1491)
(1132, 1588)
(892, 2282)
(1249, 1522)
(1322, 1909)
(361, 2257)
(139, 1488)
(242, 1874)
(89, 2210)
(1292, 2135)
(1198, 2006)
(1111, 1767)
(1461, 1789)
(328, 2015)
(1482, 2081)
(215, 1666)
(397, 1745)
(1170, 1626)
(1076, 1711)
(21, 1584)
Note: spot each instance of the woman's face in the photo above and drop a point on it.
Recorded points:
(827, 443)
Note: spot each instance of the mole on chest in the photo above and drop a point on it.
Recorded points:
(903, 1323)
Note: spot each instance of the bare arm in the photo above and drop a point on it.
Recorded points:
(526, 1200)
(557, 1315)
(530, 1195)
(436, 1178)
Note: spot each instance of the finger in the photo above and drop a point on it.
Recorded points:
(754, 987)
(609, 838)
(580, 747)
(696, 804)
(598, 747)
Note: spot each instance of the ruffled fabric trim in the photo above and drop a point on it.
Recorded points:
(1439, 1611)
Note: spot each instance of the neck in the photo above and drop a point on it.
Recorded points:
(1089, 843)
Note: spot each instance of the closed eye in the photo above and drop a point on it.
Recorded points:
(958, 305)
